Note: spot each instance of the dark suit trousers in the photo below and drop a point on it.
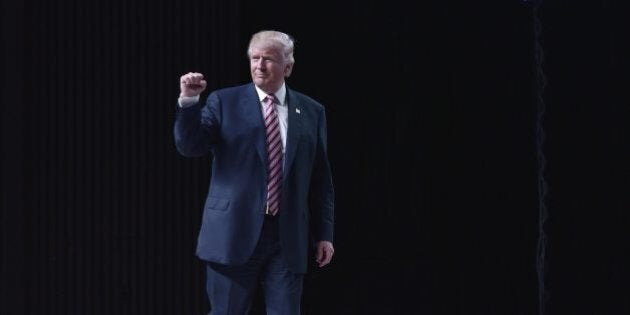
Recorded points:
(231, 288)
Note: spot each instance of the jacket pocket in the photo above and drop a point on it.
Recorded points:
(217, 204)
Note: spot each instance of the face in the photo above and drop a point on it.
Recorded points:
(268, 68)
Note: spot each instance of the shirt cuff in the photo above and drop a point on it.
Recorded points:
(187, 101)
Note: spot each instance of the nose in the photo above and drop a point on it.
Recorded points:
(260, 64)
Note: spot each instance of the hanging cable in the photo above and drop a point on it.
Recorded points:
(543, 214)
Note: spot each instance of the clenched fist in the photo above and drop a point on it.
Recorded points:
(192, 84)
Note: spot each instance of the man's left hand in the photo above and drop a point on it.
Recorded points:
(325, 251)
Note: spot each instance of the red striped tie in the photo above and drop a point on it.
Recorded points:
(274, 154)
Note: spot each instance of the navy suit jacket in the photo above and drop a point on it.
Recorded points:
(230, 128)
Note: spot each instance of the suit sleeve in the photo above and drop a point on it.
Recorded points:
(197, 127)
(321, 197)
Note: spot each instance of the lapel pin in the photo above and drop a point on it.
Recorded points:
(297, 110)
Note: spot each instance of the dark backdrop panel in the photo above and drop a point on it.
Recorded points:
(101, 221)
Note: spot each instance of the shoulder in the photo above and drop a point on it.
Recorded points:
(304, 100)
(235, 90)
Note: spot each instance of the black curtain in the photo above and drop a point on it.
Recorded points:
(433, 115)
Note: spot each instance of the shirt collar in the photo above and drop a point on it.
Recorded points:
(280, 94)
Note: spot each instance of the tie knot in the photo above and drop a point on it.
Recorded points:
(270, 99)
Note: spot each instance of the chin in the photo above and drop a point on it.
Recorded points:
(259, 81)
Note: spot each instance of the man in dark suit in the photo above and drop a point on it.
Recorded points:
(271, 192)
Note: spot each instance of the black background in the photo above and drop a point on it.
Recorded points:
(433, 139)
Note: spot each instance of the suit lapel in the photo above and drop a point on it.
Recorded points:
(250, 107)
(294, 129)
